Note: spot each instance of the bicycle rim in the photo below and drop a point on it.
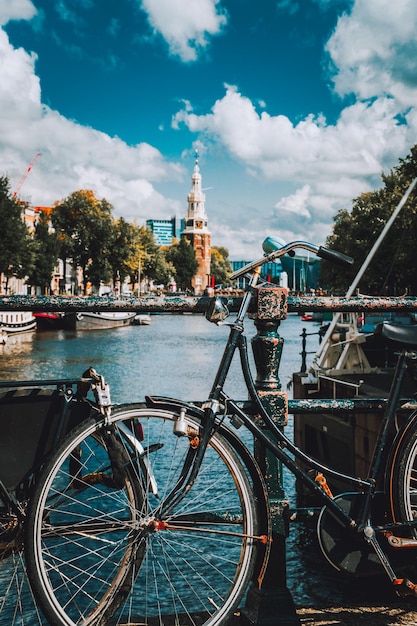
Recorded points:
(403, 475)
(104, 552)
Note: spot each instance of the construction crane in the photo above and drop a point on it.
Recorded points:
(25, 175)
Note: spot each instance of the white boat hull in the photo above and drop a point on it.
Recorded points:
(142, 319)
(15, 322)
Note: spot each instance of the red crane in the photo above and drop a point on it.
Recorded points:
(25, 175)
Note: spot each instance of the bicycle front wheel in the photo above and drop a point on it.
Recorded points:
(98, 548)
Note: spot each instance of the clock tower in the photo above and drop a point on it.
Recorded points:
(196, 231)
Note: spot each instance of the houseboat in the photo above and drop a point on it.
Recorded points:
(13, 322)
(97, 320)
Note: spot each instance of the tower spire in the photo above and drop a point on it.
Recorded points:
(196, 229)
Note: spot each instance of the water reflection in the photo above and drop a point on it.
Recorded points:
(16, 346)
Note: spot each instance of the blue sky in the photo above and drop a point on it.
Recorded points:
(295, 107)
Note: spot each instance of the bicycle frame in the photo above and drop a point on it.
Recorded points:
(219, 405)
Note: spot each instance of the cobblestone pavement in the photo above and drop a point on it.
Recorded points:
(377, 615)
(401, 615)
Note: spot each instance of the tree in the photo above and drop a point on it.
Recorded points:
(182, 256)
(84, 227)
(220, 266)
(123, 249)
(16, 247)
(46, 253)
(154, 265)
(393, 270)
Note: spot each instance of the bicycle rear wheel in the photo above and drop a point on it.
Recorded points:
(402, 477)
(98, 549)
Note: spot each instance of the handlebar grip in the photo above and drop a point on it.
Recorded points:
(335, 257)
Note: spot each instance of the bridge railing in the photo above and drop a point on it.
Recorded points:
(198, 304)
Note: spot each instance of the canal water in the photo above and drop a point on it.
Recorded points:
(177, 356)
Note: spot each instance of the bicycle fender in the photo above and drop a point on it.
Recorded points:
(172, 404)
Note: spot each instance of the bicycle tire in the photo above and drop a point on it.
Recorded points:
(192, 568)
(402, 474)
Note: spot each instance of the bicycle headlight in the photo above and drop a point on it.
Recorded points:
(217, 311)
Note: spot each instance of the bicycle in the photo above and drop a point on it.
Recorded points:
(158, 512)
(35, 417)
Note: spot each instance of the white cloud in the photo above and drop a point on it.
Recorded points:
(365, 138)
(124, 175)
(374, 50)
(318, 167)
(374, 55)
(186, 25)
(296, 203)
(16, 10)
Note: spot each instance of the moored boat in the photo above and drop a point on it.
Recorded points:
(49, 321)
(97, 320)
(356, 361)
(381, 349)
(13, 322)
(142, 319)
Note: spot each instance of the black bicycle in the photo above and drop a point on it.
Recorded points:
(158, 513)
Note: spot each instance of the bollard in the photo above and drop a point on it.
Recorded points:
(272, 604)
(303, 351)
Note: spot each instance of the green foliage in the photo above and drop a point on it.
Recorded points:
(123, 249)
(220, 266)
(182, 257)
(46, 254)
(16, 248)
(154, 265)
(84, 228)
(393, 270)
(86, 234)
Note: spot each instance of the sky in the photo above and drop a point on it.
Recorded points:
(295, 107)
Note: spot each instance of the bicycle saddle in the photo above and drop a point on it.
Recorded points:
(398, 332)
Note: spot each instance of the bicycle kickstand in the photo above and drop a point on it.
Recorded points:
(403, 586)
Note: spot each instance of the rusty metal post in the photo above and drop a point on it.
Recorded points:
(303, 351)
(272, 604)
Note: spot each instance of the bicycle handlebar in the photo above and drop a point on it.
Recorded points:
(335, 257)
(274, 250)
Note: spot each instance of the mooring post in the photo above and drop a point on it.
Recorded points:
(271, 604)
(303, 351)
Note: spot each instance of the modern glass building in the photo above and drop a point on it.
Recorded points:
(301, 273)
(164, 231)
(270, 272)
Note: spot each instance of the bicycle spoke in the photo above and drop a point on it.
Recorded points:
(106, 554)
